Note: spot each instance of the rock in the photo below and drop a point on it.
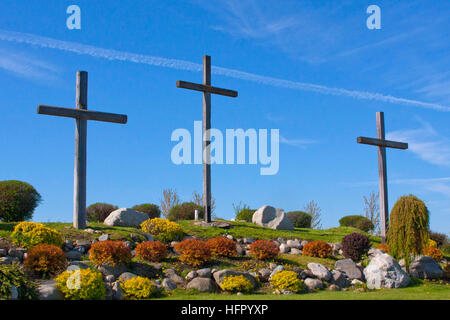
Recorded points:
(144, 270)
(127, 276)
(287, 292)
(272, 265)
(172, 275)
(202, 284)
(425, 267)
(48, 291)
(73, 255)
(374, 252)
(68, 245)
(106, 269)
(125, 217)
(313, 284)
(356, 282)
(239, 250)
(303, 243)
(295, 251)
(273, 218)
(168, 284)
(306, 274)
(248, 240)
(219, 275)
(191, 275)
(103, 237)
(149, 237)
(350, 269)
(293, 244)
(14, 293)
(3, 252)
(110, 278)
(17, 253)
(229, 236)
(215, 224)
(79, 264)
(384, 272)
(117, 291)
(204, 273)
(89, 230)
(334, 287)
(281, 240)
(129, 244)
(319, 271)
(264, 274)
(339, 279)
(276, 270)
(284, 248)
(86, 244)
(7, 260)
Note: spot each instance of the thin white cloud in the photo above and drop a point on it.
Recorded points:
(301, 143)
(109, 54)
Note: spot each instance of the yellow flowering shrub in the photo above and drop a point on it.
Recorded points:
(29, 234)
(432, 243)
(138, 288)
(162, 229)
(236, 284)
(287, 280)
(82, 284)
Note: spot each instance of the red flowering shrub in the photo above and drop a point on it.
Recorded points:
(151, 251)
(434, 253)
(355, 245)
(112, 252)
(384, 247)
(318, 248)
(45, 260)
(222, 246)
(264, 249)
(193, 252)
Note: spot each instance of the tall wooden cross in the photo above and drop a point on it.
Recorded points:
(81, 115)
(207, 89)
(382, 144)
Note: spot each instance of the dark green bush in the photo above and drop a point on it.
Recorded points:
(18, 200)
(12, 275)
(184, 211)
(300, 219)
(98, 212)
(152, 210)
(355, 245)
(245, 214)
(360, 222)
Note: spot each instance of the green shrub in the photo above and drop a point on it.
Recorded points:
(18, 200)
(245, 214)
(359, 222)
(98, 212)
(152, 210)
(408, 228)
(12, 275)
(184, 211)
(300, 219)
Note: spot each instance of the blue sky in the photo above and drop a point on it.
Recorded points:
(312, 69)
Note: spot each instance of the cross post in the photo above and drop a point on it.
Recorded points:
(81, 115)
(207, 89)
(382, 144)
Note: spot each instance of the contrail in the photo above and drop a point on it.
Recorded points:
(110, 54)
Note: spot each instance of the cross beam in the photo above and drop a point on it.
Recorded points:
(207, 90)
(81, 116)
(382, 144)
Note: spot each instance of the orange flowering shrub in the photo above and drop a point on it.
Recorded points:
(264, 249)
(193, 252)
(384, 247)
(151, 251)
(45, 259)
(318, 248)
(434, 253)
(112, 252)
(222, 246)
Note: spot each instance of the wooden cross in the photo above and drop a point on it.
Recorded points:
(207, 89)
(81, 115)
(382, 144)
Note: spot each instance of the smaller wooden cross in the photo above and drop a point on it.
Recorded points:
(207, 89)
(81, 115)
(382, 144)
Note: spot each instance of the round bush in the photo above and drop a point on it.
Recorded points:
(184, 211)
(359, 222)
(287, 280)
(12, 275)
(152, 210)
(29, 234)
(434, 253)
(408, 228)
(81, 284)
(18, 200)
(245, 214)
(193, 252)
(98, 212)
(355, 245)
(153, 251)
(45, 260)
(112, 252)
(300, 219)
(162, 229)
(264, 249)
(236, 284)
(318, 248)
(222, 246)
(138, 288)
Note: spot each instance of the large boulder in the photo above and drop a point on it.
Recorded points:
(48, 291)
(350, 269)
(202, 284)
(425, 267)
(384, 271)
(273, 218)
(125, 217)
(320, 271)
(220, 275)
